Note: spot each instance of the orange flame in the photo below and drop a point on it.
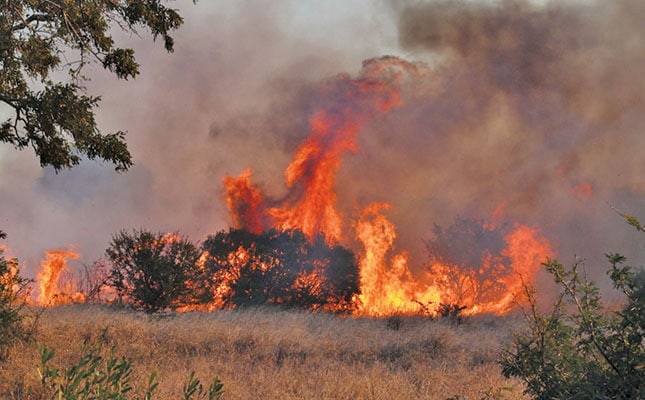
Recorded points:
(8, 278)
(311, 176)
(52, 267)
(245, 202)
(387, 283)
(388, 286)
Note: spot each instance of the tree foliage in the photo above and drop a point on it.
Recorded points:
(155, 271)
(41, 37)
(280, 267)
(580, 349)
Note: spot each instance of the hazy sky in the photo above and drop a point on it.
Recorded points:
(536, 110)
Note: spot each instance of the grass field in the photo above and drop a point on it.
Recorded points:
(268, 354)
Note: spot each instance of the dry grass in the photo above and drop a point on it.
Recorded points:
(263, 354)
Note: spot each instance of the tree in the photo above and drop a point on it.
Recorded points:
(155, 271)
(14, 291)
(38, 38)
(580, 349)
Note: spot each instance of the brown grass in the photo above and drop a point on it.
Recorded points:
(267, 354)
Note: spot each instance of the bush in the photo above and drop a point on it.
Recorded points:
(97, 378)
(155, 271)
(14, 291)
(579, 349)
(469, 259)
(280, 267)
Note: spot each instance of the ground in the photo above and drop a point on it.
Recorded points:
(269, 354)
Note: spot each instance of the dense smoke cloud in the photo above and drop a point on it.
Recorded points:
(533, 111)
(225, 100)
(536, 111)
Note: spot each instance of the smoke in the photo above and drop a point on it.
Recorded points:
(534, 112)
(225, 100)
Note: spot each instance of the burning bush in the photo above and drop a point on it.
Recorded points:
(279, 267)
(479, 267)
(14, 291)
(467, 259)
(156, 271)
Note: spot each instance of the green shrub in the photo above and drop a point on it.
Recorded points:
(581, 350)
(193, 387)
(96, 378)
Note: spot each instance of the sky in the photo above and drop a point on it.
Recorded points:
(533, 109)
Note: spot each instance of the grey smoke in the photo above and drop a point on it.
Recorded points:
(521, 104)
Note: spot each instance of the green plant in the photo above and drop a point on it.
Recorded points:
(96, 378)
(39, 41)
(579, 349)
(194, 387)
(91, 377)
(14, 290)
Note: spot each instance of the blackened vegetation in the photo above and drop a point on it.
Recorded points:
(280, 268)
(159, 271)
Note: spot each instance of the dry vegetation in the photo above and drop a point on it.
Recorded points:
(265, 354)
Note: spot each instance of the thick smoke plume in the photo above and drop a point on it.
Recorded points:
(534, 111)
(529, 113)
(225, 100)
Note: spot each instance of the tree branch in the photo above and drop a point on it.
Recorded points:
(32, 18)
(590, 327)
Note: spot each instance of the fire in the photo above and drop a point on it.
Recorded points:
(387, 285)
(458, 274)
(245, 202)
(316, 165)
(13, 269)
(494, 286)
(311, 175)
(54, 264)
(490, 283)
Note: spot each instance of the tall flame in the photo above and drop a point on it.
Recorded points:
(52, 267)
(245, 202)
(311, 176)
(387, 284)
